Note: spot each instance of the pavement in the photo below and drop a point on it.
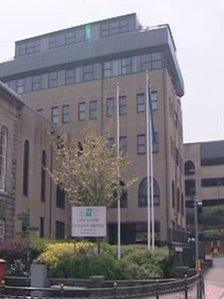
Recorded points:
(214, 280)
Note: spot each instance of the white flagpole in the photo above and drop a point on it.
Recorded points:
(118, 191)
(152, 176)
(147, 161)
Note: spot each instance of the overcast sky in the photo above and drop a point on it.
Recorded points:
(197, 26)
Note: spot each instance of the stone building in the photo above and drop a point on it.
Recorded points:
(70, 78)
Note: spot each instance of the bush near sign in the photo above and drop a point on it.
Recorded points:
(89, 221)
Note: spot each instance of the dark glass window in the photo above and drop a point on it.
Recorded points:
(26, 168)
(122, 105)
(107, 69)
(93, 109)
(142, 193)
(41, 227)
(123, 196)
(36, 83)
(212, 182)
(110, 107)
(140, 102)
(182, 204)
(70, 76)
(146, 62)
(126, 66)
(20, 86)
(111, 142)
(43, 176)
(60, 230)
(154, 101)
(55, 115)
(190, 187)
(123, 144)
(173, 195)
(189, 168)
(3, 157)
(178, 200)
(82, 111)
(53, 79)
(65, 114)
(141, 144)
(155, 142)
(60, 198)
(88, 72)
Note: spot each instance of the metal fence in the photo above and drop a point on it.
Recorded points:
(187, 288)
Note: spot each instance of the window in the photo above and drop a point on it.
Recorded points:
(122, 105)
(82, 111)
(123, 196)
(154, 102)
(88, 72)
(189, 168)
(65, 114)
(43, 176)
(212, 182)
(56, 41)
(190, 187)
(146, 62)
(126, 66)
(60, 230)
(53, 79)
(107, 69)
(2, 228)
(70, 37)
(41, 227)
(178, 200)
(114, 27)
(55, 115)
(173, 195)
(70, 76)
(36, 83)
(142, 193)
(110, 107)
(182, 204)
(60, 198)
(140, 102)
(93, 109)
(141, 144)
(3, 157)
(123, 144)
(155, 142)
(26, 168)
(111, 142)
(20, 86)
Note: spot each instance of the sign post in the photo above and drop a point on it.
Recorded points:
(89, 221)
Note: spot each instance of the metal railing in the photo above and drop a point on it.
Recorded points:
(186, 288)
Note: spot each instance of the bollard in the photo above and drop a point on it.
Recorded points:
(185, 286)
(115, 290)
(62, 290)
(157, 289)
(2, 289)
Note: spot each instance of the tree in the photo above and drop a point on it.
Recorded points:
(88, 171)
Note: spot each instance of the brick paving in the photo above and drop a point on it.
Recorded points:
(214, 280)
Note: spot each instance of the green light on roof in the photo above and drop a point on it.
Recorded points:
(88, 30)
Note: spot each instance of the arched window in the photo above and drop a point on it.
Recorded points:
(142, 193)
(26, 167)
(189, 168)
(173, 195)
(3, 157)
(43, 176)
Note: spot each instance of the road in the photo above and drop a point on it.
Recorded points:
(214, 280)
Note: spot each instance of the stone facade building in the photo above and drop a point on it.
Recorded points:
(70, 78)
